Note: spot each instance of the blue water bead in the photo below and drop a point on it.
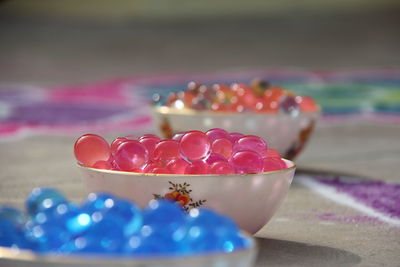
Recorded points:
(104, 235)
(8, 234)
(207, 230)
(47, 237)
(13, 215)
(98, 201)
(151, 241)
(43, 198)
(235, 241)
(163, 216)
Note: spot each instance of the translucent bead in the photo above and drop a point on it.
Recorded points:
(195, 145)
(223, 147)
(43, 198)
(215, 157)
(253, 143)
(177, 166)
(197, 167)
(247, 161)
(221, 167)
(130, 155)
(150, 143)
(90, 148)
(217, 133)
(166, 150)
(273, 164)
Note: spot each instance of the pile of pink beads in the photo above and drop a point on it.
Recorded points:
(259, 96)
(194, 152)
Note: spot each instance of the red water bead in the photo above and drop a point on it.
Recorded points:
(177, 166)
(90, 148)
(273, 164)
(103, 164)
(116, 143)
(221, 167)
(160, 170)
(195, 145)
(197, 167)
(274, 93)
(166, 150)
(156, 167)
(307, 103)
(147, 136)
(217, 133)
(214, 157)
(222, 146)
(235, 136)
(131, 155)
(253, 143)
(272, 153)
(247, 161)
(150, 143)
(245, 95)
(178, 136)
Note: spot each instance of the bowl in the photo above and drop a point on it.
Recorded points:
(249, 199)
(238, 258)
(286, 133)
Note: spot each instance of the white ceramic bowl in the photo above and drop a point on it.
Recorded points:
(286, 133)
(249, 199)
(18, 258)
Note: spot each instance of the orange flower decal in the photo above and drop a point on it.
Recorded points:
(180, 194)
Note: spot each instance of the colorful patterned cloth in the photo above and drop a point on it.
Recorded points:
(122, 104)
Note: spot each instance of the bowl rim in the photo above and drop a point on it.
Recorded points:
(25, 255)
(187, 111)
(190, 175)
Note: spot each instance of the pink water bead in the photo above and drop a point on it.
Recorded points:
(223, 147)
(130, 155)
(117, 141)
(90, 148)
(235, 136)
(197, 167)
(166, 150)
(178, 136)
(247, 161)
(150, 143)
(253, 143)
(272, 153)
(103, 164)
(214, 157)
(217, 133)
(221, 167)
(273, 164)
(177, 166)
(195, 145)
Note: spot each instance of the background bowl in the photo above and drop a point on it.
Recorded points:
(285, 133)
(249, 199)
(239, 258)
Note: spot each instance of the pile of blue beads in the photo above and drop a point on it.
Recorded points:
(110, 225)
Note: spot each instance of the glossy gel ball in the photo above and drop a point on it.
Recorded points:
(103, 165)
(90, 148)
(273, 164)
(12, 215)
(116, 143)
(253, 143)
(247, 161)
(215, 157)
(307, 104)
(164, 215)
(41, 199)
(217, 133)
(221, 167)
(223, 147)
(150, 143)
(177, 166)
(206, 230)
(131, 155)
(235, 136)
(197, 167)
(195, 145)
(166, 150)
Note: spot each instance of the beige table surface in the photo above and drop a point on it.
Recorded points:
(44, 53)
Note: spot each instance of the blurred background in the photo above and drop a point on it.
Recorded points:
(54, 42)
